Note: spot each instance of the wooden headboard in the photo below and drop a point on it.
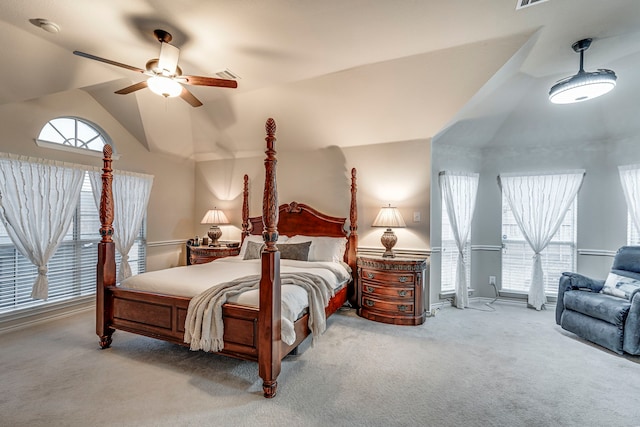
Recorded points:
(300, 219)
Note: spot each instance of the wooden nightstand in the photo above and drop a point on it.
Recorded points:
(392, 290)
(204, 254)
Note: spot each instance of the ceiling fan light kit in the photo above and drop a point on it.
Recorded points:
(164, 86)
(583, 85)
(165, 76)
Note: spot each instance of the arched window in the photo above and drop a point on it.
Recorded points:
(73, 134)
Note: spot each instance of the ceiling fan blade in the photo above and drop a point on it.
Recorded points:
(108, 61)
(168, 60)
(209, 81)
(190, 98)
(132, 88)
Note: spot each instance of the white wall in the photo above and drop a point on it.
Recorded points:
(396, 172)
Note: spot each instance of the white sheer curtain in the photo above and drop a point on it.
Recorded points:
(37, 201)
(459, 191)
(630, 179)
(130, 198)
(539, 203)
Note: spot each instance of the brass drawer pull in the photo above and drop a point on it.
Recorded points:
(403, 279)
(403, 307)
(370, 275)
(370, 289)
(402, 293)
(369, 303)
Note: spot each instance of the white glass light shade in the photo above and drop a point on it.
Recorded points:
(164, 86)
(389, 217)
(214, 216)
(582, 87)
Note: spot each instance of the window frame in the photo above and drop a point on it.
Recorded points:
(448, 262)
(550, 285)
(20, 281)
(72, 148)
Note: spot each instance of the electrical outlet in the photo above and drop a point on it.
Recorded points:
(492, 280)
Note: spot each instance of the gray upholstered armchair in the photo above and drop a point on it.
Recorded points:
(606, 312)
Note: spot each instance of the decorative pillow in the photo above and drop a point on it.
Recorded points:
(323, 248)
(254, 249)
(256, 238)
(296, 251)
(620, 286)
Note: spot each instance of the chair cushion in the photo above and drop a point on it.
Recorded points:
(601, 306)
(621, 286)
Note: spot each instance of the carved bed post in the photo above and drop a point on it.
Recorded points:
(353, 238)
(245, 209)
(106, 268)
(269, 320)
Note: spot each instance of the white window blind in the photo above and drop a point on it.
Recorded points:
(633, 236)
(558, 257)
(449, 256)
(71, 270)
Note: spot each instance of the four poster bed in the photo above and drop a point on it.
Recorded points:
(250, 332)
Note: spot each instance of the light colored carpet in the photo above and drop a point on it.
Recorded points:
(511, 367)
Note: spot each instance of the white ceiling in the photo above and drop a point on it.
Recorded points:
(333, 72)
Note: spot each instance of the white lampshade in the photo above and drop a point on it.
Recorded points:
(164, 86)
(214, 216)
(389, 217)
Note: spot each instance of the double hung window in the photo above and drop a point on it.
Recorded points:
(559, 256)
(72, 268)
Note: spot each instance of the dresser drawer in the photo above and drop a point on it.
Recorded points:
(371, 289)
(390, 278)
(391, 307)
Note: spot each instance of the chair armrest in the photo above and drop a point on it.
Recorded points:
(631, 342)
(578, 281)
(573, 281)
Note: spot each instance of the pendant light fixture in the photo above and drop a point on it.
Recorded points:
(584, 85)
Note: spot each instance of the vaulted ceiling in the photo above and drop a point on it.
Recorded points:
(333, 72)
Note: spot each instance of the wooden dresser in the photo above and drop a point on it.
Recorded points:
(392, 290)
(204, 254)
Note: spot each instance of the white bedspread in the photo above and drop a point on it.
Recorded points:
(193, 280)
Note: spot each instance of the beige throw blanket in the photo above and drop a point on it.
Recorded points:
(204, 325)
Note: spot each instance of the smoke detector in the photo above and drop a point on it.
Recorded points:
(45, 24)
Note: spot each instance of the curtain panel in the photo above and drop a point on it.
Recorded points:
(459, 190)
(37, 201)
(130, 198)
(630, 180)
(539, 203)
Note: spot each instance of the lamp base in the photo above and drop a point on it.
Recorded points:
(214, 234)
(388, 240)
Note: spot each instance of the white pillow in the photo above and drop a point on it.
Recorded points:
(323, 248)
(620, 286)
(257, 238)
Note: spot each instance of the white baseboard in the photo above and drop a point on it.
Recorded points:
(30, 317)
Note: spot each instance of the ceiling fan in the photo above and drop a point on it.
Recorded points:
(165, 76)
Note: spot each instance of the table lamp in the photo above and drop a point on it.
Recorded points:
(214, 217)
(389, 217)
